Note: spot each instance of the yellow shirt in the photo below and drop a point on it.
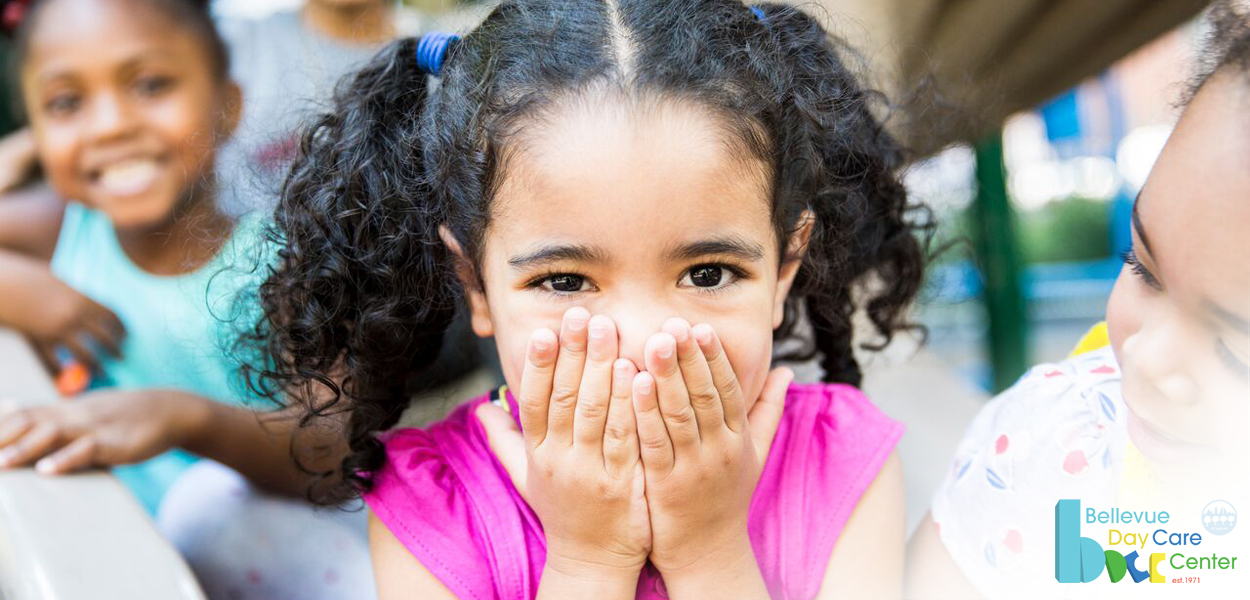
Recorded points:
(1137, 481)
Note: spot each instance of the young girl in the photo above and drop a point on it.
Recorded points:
(635, 200)
(137, 275)
(1156, 420)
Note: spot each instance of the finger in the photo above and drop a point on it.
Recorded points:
(78, 454)
(14, 423)
(704, 397)
(82, 354)
(39, 440)
(654, 446)
(568, 377)
(47, 355)
(108, 338)
(540, 364)
(109, 320)
(591, 413)
(661, 359)
(506, 443)
(766, 414)
(620, 435)
(732, 402)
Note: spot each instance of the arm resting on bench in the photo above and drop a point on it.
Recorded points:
(76, 536)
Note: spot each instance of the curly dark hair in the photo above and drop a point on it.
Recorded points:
(1227, 43)
(356, 310)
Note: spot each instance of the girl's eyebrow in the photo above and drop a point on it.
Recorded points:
(152, 54)
(557, 253)
(1232, 320)
(732, 246)
(1137, 225)
(128, 65)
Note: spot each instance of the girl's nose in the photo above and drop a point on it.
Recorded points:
(635, 322)
(633, 333)
(111, 117)
(1160, 351)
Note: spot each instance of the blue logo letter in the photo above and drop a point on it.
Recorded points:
(1077, 559)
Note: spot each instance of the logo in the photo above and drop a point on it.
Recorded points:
(1081, 560)
(1219, 517)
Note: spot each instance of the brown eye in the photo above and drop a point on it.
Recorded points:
(153, 85)
(566, 283)
(711, 278)
(62, 104)
(706, 276)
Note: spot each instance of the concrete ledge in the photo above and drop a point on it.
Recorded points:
(78, 536)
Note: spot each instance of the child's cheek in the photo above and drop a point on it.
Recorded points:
(56, 156)
(1123, 311)
(190, 137)
(512, 346)
(512, 335)
(750, 353)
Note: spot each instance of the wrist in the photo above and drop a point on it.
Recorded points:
(729, 569)
(566, 565)
(576, 579)
(193, 418)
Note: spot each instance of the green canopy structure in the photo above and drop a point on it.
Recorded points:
(991, 58)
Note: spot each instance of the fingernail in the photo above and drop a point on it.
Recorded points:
(541, 343)
(665, 350)
(576, 320)
(644, 385)
(45, 466)
(598, 329)
(703, 335)
(681, 334)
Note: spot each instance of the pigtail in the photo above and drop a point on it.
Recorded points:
(356, 308)
(837, 160)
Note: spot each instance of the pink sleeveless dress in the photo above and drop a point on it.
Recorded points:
(445, 497)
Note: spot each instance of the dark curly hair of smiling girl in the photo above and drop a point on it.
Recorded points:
(356, 309)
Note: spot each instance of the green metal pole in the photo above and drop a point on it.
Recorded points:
(8, 118)
(999, 259)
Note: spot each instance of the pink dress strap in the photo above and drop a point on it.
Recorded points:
(831, 443)
(449, 501)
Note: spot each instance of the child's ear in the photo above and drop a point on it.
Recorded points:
(479, 312)
(233, 109)
(796, 249)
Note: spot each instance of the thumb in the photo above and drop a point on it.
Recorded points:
(506, 443)
(764, 417)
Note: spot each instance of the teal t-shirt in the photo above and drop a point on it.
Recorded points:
(179, 329)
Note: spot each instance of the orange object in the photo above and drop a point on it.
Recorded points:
(73, 378)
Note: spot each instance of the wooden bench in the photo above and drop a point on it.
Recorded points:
(77, 536)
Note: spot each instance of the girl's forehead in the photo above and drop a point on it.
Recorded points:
(643, 177)
(107, 28)
(1195, 209)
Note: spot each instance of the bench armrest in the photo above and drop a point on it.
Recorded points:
(76, 536)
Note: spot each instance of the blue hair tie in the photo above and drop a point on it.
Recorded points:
(759, 14)
(432, 49)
